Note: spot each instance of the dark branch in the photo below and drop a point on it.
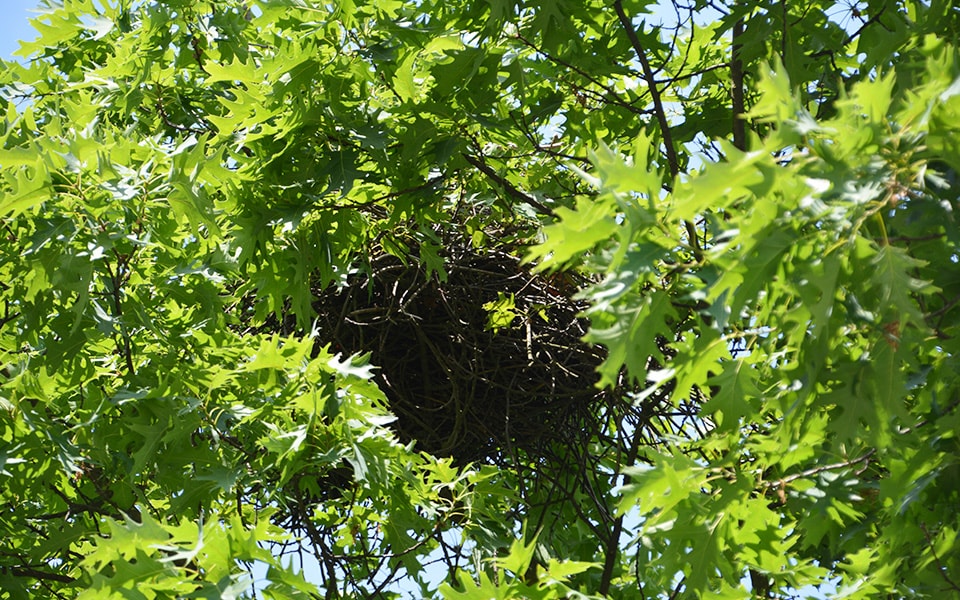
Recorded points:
(508, 187)
(691, 74)
(852, 36)
(613, 543)
(651, 86)
(26, 571)
(940, 567)
(736, 77)
(611, 94)
(658, 110)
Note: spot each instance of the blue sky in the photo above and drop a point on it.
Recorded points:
(14, 25)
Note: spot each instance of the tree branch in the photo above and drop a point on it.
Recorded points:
(661, 115)
(691, 74)
(508, 187)
(736, 84)
(822, 469)
(651, 86)
(611, 96)
(613, 543)
(26, 571)
(875, 18)
(117, 279)
(940, 567)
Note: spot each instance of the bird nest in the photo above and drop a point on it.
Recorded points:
(478, 361)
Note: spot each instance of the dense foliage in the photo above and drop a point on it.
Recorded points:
(754, 201)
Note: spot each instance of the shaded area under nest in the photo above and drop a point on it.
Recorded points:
(457, 387)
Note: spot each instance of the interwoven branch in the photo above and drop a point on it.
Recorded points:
(458, 387)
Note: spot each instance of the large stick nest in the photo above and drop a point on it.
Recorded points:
(459, 387)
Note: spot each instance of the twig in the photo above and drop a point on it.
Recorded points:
(166, 118)
(613, 543)
(25, 571)
(943, 309)
(117, 279)
(611, 96)
(923, 422)
(866, 24)
(373, 204)
(410, 190)
(679, 587)
(852, 36)
(8, 317)
(540, 148)
(821, 469)
(691, 74)
(940, 567)
(919, 238)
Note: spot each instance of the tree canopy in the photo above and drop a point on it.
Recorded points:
(745, 208)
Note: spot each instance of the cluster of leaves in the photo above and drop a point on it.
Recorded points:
(819, 314)
(764, 193)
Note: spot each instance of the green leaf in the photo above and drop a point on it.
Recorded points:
(719, 185)
(577, 232)
(185, 186)
(268, 356)
(660, 487)
(626, 177)
(891, 277)
(734, 395)
(500, 312)
(29, 190)
(629, 333)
